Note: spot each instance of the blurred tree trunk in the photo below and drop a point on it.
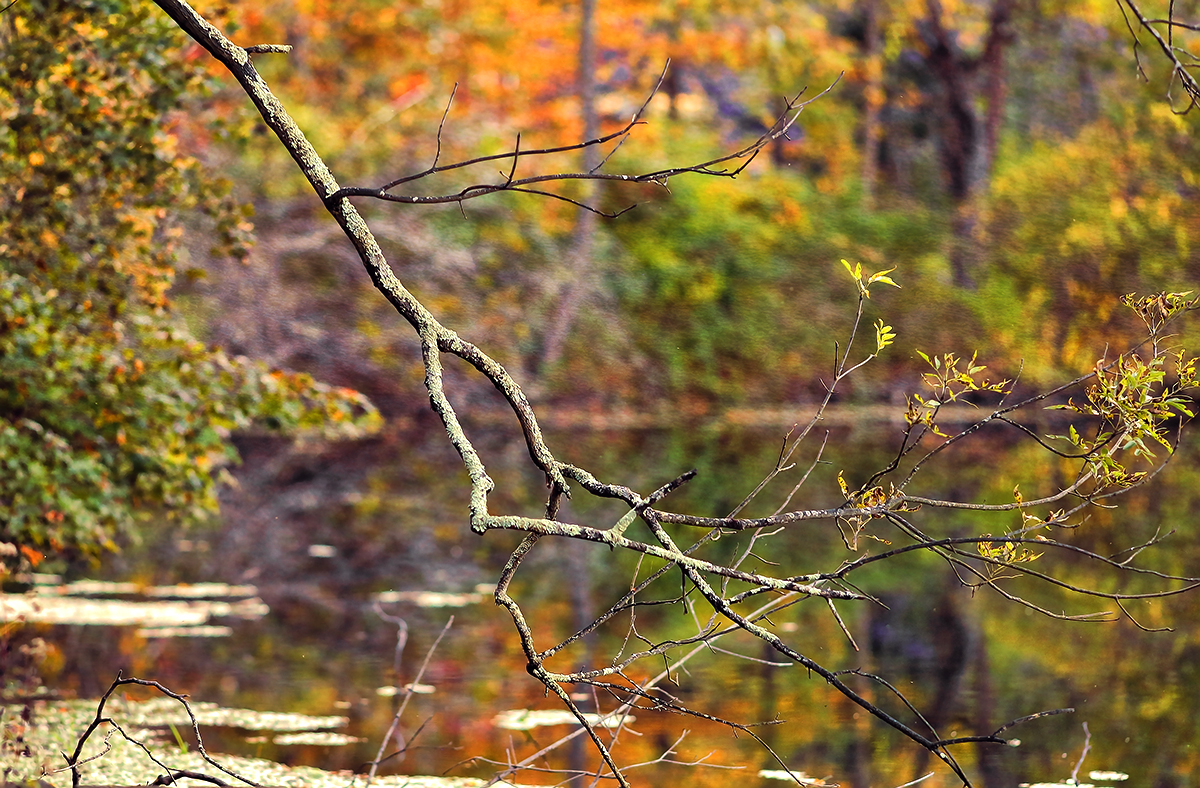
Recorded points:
(872, 129)
(968, 145)
(579, 256)
(992, 770)
(950, 632)
(995, 79)
(583, 612)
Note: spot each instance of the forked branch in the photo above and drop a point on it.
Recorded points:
(738, 161)
(1182, 60)
(703, 579)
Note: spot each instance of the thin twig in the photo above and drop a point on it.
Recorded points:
(408, 693)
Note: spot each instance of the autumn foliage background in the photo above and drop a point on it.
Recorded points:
(172, 298)
(1006, 157)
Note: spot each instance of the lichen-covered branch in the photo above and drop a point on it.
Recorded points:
(1127, 406)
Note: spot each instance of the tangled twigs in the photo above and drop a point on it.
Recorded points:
(393, 728)
(74, 762)
(740, 159)
(1131, 403)
(1182, 61)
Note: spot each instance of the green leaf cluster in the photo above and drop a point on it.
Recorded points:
(111, 413)
(949, 382)
(1136, 402)
(1136, 399)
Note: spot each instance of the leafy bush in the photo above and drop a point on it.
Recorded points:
(111, 414)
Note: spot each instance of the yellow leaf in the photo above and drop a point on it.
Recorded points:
(882, 276)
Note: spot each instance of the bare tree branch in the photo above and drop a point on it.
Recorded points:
(1180, 70)
(712, 588)
(74, 762)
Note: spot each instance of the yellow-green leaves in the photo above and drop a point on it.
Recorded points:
(951, 381)
(884, 336)
(856, 271)
(851, 526)
(1155, 310)
(1006, 553)
(1135, 400)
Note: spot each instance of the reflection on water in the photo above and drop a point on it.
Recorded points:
(1097, 776)
(528, 719)
(52, 585)
(792, 777)
(321, 738)
(302, 634)
(436, 598)
(416, 689)
(185, 632)
(83, 603)
(109, 759)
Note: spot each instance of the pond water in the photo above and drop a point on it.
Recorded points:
(325, 550)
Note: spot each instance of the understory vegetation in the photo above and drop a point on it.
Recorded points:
(977, 224)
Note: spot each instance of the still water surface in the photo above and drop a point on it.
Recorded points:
(311, 628)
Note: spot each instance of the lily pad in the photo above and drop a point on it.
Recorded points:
(527, 719)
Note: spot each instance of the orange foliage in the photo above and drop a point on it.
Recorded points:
(516, 63)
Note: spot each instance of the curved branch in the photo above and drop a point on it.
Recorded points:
(782, 125)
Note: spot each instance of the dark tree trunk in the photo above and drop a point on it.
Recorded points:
(859, 752)
(995, 80)
(951, 645)
(968, 144)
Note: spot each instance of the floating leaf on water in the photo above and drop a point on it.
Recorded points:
(52, 609)
(185, 632)
(202, 590)
(429, 598)
(319, 738)
(780, 774)
(526, 719)
(322, 551)
(1114, 777)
